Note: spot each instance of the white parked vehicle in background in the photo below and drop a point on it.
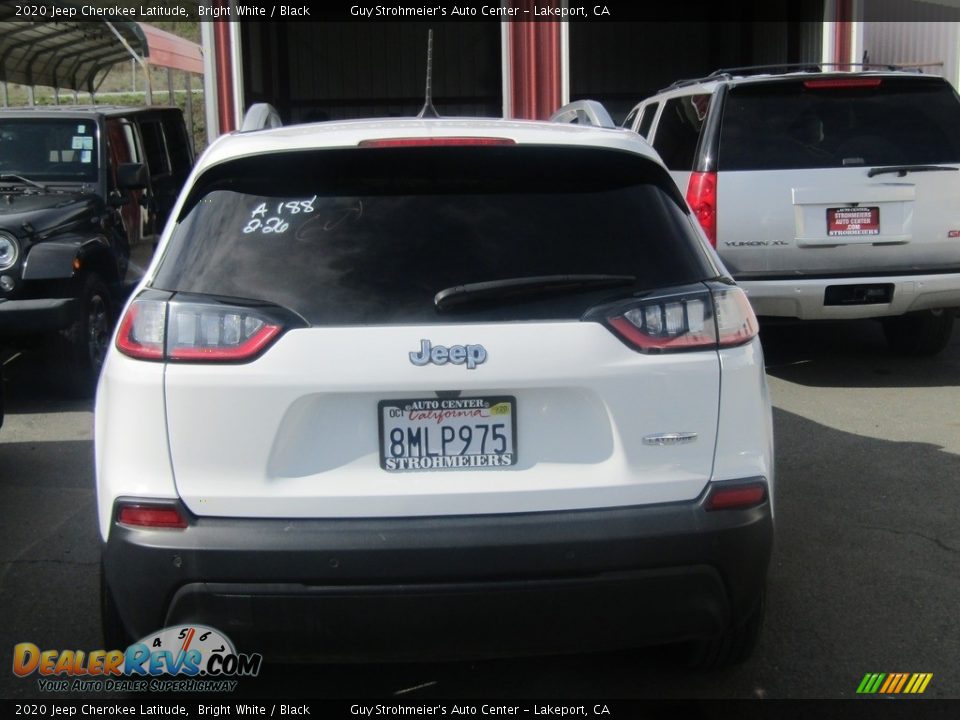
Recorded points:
(436, 388)
(828, 195)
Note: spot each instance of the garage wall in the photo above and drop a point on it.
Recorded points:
(320, 71)
(622, 63)
(906, 32)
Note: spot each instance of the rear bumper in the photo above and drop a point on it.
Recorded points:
(446, 587)
(804, 298)
(25, 317)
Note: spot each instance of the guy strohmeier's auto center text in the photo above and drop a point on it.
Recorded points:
(547, 12)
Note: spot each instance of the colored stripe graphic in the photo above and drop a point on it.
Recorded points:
(894, 683)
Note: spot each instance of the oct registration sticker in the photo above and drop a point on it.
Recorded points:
(448, 433)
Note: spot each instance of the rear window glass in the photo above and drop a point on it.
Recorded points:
(370, 236)
(773, 126)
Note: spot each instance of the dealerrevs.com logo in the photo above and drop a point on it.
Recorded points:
(181, 658)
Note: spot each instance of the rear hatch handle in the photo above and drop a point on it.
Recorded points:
(902, 170)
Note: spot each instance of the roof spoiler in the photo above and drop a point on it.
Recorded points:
(584, 112)
(260, 116)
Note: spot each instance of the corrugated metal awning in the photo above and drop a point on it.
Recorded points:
(68, 55)
(171, 51)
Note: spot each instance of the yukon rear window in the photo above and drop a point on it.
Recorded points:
(839, 122)
(372, 235)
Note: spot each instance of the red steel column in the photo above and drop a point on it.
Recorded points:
(842, 29)
(535, 63)
(221, 38)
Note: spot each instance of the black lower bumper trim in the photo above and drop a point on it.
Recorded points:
(25, 317)
(405, 588)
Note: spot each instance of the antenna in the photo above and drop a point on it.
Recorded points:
(428, 110)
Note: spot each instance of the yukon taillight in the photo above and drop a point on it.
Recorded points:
(694, 320)
(702, 199)
(195, 331)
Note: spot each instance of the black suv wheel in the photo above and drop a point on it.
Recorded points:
(922, 333)
(75, 355)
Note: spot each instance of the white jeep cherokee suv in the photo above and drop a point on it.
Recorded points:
(828, 195)
(436, 388)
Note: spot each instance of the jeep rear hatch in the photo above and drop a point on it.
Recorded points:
(368, 396)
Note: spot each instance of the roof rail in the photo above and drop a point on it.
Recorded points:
(261, 116)
(728, 73)
(584, 112)
(718, 75)
(808, 67)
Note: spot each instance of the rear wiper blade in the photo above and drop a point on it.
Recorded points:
(510, 287)
(902, 170)
(7, 177)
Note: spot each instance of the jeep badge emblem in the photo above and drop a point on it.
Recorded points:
(472, 355)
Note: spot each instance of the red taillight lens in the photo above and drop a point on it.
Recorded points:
(141, 331)
(824, 83)
(736, 321)
(689, 321)
(153, 516)
(428, 141)
(191, 332)
(736, 497)
(702, 199)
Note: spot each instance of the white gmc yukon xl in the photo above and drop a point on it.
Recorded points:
(828, 195)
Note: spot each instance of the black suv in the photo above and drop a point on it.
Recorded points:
(84, 192)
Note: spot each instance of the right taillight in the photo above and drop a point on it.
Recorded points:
(196, 331)
(702, 199)
(691, 320)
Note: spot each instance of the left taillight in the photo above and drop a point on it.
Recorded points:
(702, 199)
(148, 515)
(687, 320)
(196, 331)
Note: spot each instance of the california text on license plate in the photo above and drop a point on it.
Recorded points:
(448, 433)
(853, 221)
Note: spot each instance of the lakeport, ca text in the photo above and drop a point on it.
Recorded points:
(547, 12)
(466, 710)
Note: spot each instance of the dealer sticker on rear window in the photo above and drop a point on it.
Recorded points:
(853, 221)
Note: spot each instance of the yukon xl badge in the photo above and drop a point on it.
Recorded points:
(472, 355)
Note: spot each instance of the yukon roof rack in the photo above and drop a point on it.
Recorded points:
(584, 112)
(729, 73)
(260, 116)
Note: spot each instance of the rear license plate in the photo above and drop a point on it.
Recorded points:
(853, 221)
(447, 433)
